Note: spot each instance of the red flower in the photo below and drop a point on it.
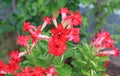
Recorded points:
(15, 60)
(13, 63)
(56, 48)
(19, 74)
(15, 55)
(76, 18)
(101, 55)
(12, 67)
(2, 75)
(32, 72)
(23, 40)
(3, 67)
(39, 71)
(27, 26)
(27, 71)
(60, 33)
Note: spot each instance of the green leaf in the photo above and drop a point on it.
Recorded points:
(26, 62)
(74, 73)
(8, 75)
(93, 63)
(87, 2)
(66, 70)
(41, 62)
(71, 50)
(61, 3)
(43, 45)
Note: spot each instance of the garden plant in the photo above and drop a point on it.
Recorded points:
(59, 51)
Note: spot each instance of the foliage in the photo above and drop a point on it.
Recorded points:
(101, 10)
(82, 60)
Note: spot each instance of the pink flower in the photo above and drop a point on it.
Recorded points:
(50, 71)
(103, 40)
(23, 40)
(36, 36)
(108, 42)
(74, 35)
(64, 12)
(54, 20)
(47, 20)
(22, 54)
(114, 52)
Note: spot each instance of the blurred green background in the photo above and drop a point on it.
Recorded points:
(97, 14)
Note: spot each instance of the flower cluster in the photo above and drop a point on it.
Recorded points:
(38, 71)
(13, 66)
(61, 33)
(104, 42)
(64, 31)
